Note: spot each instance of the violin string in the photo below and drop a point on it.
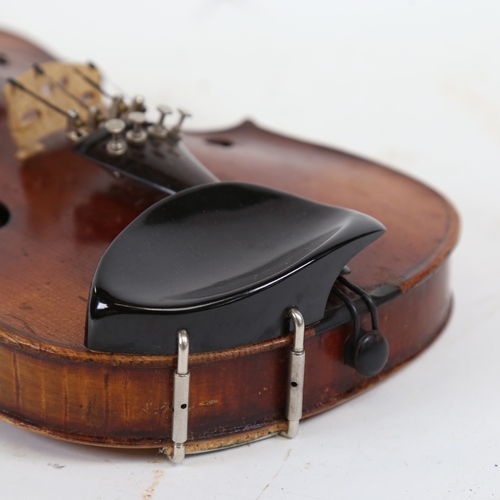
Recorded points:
(91, 82)
(108, 80)
(4, 59)
(39, 98)
(61, 87)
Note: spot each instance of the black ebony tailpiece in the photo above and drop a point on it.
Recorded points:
(169, 167)
(224, 261)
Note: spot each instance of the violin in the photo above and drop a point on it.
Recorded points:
(193, 291)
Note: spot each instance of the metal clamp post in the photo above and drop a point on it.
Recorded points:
(295, 376)
(180, 405)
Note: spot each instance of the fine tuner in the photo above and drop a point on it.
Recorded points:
(116, 146)
(140, 129)
(117, 137)
(157, 129)
(134, 114)
(138, 134)
(75, 93)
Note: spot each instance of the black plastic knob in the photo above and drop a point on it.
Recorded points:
(371, 353)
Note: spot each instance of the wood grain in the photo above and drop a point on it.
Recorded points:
(64, 213)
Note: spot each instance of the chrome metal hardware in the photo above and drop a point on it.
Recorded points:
(158, 130)
(174, 134)
(137, 135)
(93, 118)
(138, 104)
(181, 398)
(116, 146)
(73, 127)
(117, 107)
(295, 375)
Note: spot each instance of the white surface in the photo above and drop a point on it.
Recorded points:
(414, 84)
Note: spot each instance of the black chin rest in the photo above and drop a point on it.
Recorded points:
(226, 262)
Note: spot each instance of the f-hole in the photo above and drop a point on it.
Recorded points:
(4, 215)
(219, 141)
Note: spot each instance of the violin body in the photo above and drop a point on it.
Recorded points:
(63, 213)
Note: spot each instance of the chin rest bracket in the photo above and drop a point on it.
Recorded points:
(180, 406)
(295, 390)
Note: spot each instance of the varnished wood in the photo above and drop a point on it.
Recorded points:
(64, 213)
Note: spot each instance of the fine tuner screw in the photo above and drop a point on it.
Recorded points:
(175, 133)
(138, 104)
(158, 130)
(183, 115)
(137, 135)
(74, 126)
(117, 107)
(116, 146)
(94, 116)
(164, 111)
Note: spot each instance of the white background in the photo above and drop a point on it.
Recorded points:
(414, 84)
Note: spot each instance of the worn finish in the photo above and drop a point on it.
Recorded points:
(64, 212)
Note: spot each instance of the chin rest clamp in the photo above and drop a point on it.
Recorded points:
(180, 406)
(296, 368)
